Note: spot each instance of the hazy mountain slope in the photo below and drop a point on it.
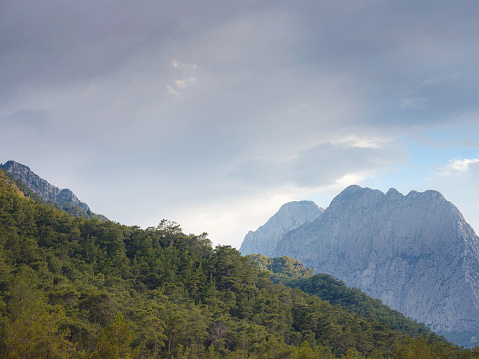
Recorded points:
(290, 216)
(416, 253)
(38, 185)
(63, 199)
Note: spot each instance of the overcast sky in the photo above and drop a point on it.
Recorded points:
(215, 113)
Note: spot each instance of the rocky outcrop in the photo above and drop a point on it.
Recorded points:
(45, 190)
(290, 216)
(416, 253)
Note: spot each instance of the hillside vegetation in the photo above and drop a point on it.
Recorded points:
(78, 288)
(293, 274)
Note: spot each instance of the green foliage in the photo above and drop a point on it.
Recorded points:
(78, 288)
(114, 341)
(32, 328)
(77, 211)
(336, 292)
(19, 187)
(281, 269)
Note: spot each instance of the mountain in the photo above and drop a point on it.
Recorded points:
(416, 253)
(290, 216)
(77, 288)
(63, 199)
(47, 191)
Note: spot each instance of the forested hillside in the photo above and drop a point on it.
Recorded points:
(281, 269)
(78, 288)
(293, 274)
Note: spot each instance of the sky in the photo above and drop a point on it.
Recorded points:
(215, 113)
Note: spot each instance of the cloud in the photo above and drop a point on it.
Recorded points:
(182, 66)
(189, 77)
(466, 117)
(365, 142)
(185, 82)
(419, 103)
(27, 119)
(172, 91)
(457, 181)
(459, 166)
(439, 80)
(212, 107)
(319, 166)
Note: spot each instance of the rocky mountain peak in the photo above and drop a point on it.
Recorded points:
(430, 195)
(416, 253)
(45, 190)
(393, 193)
(290, 216)
(358, 195)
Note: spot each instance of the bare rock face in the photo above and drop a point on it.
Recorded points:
(290, 216)
(416, 253)
(38, 185)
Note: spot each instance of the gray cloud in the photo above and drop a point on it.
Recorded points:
(191, 101)
(419, 102)
(26, 120)
(247, 47)
(319, 166)
(457, 181)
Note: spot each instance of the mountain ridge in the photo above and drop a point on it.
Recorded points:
(415, 252)
(290, 216)
(40, 186)
(63, 199)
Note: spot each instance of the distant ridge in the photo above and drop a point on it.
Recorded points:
(290, 216)
(64, 199)
(47, 191)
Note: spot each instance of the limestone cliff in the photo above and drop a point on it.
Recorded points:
(63, 199)
(415, 252)
(290, 216)
(47, 191)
